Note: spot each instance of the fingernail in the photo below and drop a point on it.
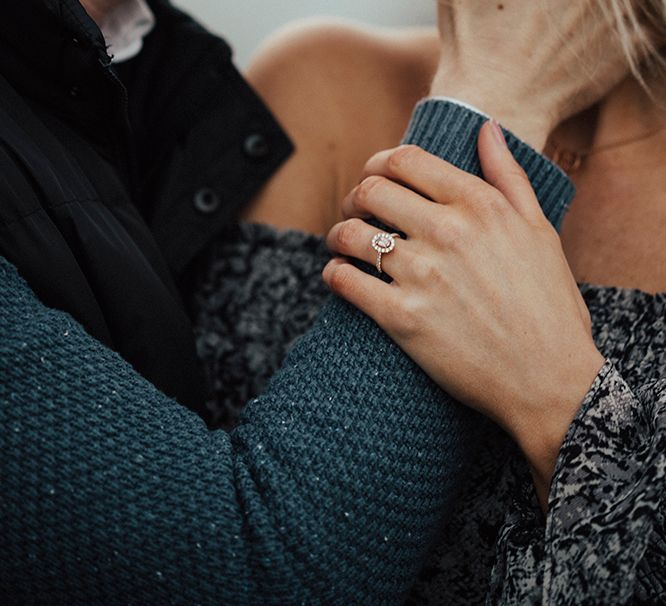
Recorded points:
(499, 134)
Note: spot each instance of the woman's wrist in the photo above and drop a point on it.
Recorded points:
(541, 437)
(531, 123)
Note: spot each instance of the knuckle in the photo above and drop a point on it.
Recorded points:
(542, 223)
(341, 282)
(363, 195)
(347, 233)
(516, 171)
(493, 208)
(435, 232)
(513, 176)
(375, 159)
(492, 205)
(551, 236)
(401, 157)
(408, 319)
(496, 200)
(453, 233)
(425, 270)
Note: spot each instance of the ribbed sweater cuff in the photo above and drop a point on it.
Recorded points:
(450, 131)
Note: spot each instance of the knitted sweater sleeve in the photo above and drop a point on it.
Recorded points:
(329, 491)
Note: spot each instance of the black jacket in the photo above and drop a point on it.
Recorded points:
(114, 178)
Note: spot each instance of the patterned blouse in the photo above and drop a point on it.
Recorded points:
(603, 540)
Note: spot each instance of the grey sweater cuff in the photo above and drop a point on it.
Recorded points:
(450, 131)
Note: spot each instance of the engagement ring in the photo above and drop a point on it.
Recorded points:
(383, 243)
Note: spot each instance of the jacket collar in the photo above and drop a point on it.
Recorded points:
(54, 39)
(54, 55)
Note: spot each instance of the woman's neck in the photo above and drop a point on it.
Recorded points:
(613, 232)
(628, 116)
(630, 111)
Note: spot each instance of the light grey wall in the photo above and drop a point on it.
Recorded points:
(244, 23)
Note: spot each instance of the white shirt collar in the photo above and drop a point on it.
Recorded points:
(125, 28)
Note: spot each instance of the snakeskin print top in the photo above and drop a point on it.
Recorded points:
(603, 539)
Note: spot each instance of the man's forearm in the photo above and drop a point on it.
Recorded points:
(331, 489)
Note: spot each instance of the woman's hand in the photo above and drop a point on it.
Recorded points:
(528, 64)
(482, 296)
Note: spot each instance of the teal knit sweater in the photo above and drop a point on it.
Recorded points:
(329, 492)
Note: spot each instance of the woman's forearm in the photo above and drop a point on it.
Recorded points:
(514, 60)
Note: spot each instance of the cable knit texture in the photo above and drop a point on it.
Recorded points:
(329, 491)
(553, 188)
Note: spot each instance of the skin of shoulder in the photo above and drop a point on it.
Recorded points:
(342, 92)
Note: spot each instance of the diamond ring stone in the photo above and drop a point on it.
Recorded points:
(383, 243)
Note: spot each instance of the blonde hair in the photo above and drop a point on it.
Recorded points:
(633, 21)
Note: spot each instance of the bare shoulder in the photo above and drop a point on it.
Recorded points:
(355, 66)
(335, 43)
(342, 91)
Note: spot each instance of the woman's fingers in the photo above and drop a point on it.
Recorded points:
(353, 238)
(369, 294)
(428, 175)
(389, 202)
(437, 180)
(501, 170)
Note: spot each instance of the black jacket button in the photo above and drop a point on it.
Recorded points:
(256, 146)
(206, 201)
